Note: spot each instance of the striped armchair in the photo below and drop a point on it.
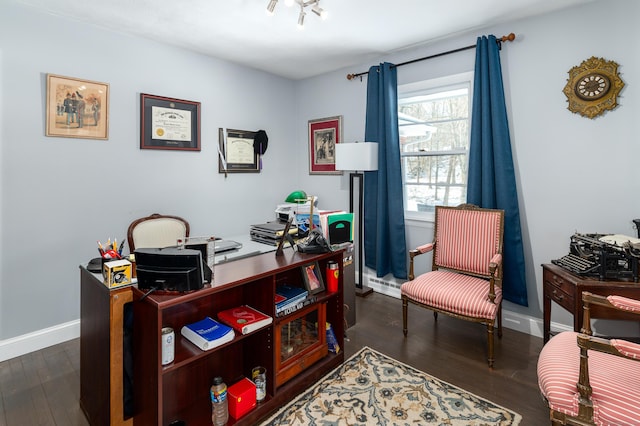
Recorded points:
(466, 271)
(587, 380)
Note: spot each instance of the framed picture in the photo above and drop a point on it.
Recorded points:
(324, 134)
(167, 123)
(77, 108)
(312, 278)
(236, 152)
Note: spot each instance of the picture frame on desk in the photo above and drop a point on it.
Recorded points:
(77, 108)
(168, 123)
(312, 277)
(324, 134)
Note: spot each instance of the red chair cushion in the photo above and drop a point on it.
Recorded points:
(615, 381)
(454, 292)
(467, 239)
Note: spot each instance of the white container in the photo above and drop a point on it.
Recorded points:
(168, 345)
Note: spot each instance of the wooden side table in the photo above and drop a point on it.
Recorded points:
(565, 288)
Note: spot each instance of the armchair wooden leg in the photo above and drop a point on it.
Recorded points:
(500, 323)
(490, 337)
(435, 316)
(405, 306)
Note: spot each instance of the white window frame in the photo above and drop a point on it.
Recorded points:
(412, 89)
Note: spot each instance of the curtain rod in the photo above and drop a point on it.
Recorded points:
(509, 37)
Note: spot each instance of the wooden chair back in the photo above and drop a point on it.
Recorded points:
(156, 231)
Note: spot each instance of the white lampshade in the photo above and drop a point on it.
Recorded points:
(358, 156)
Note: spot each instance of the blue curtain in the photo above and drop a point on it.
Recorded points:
(492, 182)
(384, 238)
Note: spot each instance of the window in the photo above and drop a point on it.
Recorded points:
(434, 121)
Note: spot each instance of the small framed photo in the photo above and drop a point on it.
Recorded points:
(167, 123)
(77, 108)
(312, 277)
(324, 134)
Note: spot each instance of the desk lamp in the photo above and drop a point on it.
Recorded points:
(357, 157)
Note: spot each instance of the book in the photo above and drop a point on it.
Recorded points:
(332, 342)
(207, 333)
(286, 295)
(244, 319)
(296, 306)
(290, 303)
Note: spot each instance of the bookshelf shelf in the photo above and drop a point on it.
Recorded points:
(180, 390)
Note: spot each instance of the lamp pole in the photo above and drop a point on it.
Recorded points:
(361, 289)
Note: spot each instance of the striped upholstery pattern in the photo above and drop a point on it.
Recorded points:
(453, 292)
(467, 239)
(615, 381)
(628, 349)
(624, 303)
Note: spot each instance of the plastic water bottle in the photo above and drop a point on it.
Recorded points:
(219, 408)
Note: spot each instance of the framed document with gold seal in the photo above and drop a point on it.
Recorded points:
(167, 123)
(593, 87)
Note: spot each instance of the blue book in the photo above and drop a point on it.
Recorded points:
(288, 295)
(207, 333)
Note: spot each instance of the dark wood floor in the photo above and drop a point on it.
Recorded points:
(42, 388)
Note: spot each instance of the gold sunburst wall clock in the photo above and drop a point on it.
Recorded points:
(593, 87)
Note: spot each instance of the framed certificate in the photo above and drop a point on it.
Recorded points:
(236, 152)
(167, 123)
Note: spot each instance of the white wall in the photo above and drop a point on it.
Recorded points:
(573, 174)
(60, 195)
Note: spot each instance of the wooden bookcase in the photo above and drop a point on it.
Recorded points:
(180, 390)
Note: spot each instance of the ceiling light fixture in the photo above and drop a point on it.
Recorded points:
(271, 6)
(314, 4)
(319, 11)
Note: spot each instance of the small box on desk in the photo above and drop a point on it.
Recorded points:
(242, 398)
(116, 273)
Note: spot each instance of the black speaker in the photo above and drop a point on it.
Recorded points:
(170, 269)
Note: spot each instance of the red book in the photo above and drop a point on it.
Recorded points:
(244, 318)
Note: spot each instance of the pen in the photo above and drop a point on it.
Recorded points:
(115, 244)
(121, 247)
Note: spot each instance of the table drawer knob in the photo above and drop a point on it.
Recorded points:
(556, 295)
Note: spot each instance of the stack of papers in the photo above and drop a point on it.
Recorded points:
(269, 232)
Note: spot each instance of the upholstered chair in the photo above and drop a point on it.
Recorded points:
(466, 271)
(589, 380)
(156, 231)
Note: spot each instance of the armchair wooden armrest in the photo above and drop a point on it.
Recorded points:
(495, 261)
(425, 248)
(587, 342)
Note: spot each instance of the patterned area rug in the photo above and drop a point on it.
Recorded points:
(372, 389)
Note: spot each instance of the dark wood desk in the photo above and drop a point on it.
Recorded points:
(102, 350)
(565, 288)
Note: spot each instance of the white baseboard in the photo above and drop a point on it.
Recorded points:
(21, 345)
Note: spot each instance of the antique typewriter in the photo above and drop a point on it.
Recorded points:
(605, 256)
